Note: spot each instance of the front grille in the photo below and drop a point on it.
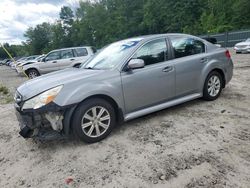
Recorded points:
(241, 46)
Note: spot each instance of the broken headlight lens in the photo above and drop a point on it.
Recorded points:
(42, 99)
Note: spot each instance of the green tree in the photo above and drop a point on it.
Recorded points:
(218, 16)
(39, 38)
(14, 50)
(66, 15)
(64, 28)
(162, 16)
(99, 22)
(241, 18)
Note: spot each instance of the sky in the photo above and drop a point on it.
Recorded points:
(16, 16)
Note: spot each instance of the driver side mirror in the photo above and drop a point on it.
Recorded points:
(136, 64)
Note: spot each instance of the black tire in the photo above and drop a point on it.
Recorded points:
(32, 73)
(206, 94)
(84, 108)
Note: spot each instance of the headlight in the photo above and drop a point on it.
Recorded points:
(42, 99)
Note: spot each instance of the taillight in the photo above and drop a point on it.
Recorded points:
(227, 53)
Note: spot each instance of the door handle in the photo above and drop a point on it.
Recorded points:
(54, 61)
(204, 60)
(72, 59)
(167, 69)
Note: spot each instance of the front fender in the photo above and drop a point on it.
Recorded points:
(30, 66)
(75, 93)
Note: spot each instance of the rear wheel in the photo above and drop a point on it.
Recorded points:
(213, 86)
(93, 120)
(32, 73)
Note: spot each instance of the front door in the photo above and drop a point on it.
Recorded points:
(51, 62)
(153, 84)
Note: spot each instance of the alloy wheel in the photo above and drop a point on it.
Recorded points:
(214, 86)
(95, 121)
(32, 74)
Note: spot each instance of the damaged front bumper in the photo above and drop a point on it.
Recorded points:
(47, 123)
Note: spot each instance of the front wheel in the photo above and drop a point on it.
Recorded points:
(93, 120)
(32, 73)
(213, 86)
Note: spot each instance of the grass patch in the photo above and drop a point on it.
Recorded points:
(5, 95)
(4, 90)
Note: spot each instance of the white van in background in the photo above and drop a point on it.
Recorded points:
(57, 60)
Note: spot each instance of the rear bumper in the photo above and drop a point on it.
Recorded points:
(229, 72)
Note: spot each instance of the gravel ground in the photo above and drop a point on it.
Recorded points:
(196, 144)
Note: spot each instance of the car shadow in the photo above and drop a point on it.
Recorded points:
(73, 142)
(163, 112)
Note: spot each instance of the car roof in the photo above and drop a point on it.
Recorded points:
(33, 56)
(144, 38)
(70, 48)
(163, 35)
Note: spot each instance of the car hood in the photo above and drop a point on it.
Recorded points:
(242, 43)
(27, 63)
(40, 84)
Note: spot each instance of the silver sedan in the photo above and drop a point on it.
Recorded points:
(125, 80)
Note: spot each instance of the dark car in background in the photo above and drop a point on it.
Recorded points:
(5, 62)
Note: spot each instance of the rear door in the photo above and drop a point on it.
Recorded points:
(153, 84)
(82, 54)
(67, 59)
(189, 59)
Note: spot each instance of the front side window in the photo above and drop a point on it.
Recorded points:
(53, 56)
(65, 54)
(81, 51)
(152, 52)
(184, 46)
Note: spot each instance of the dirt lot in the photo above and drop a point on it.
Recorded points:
(196, 144)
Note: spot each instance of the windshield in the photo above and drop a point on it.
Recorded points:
(40, 57)
(22, 59)
(111, 55)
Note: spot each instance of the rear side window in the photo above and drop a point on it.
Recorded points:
(65, 54)
(184, 46)
(152, 52)
(81, 51)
